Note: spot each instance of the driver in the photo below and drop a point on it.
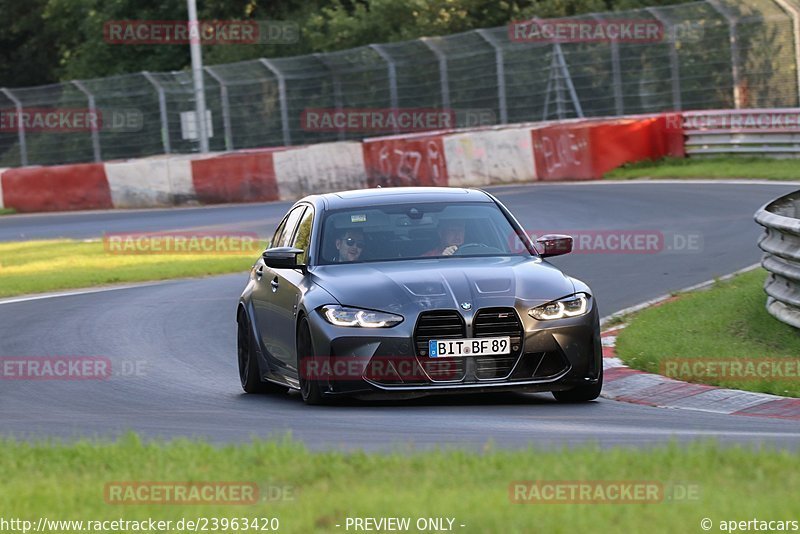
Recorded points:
(349, 246)
(451, 236)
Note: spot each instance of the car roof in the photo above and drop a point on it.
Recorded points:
(397, 195)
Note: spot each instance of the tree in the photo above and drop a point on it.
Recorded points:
(27, 56)
(52, 40)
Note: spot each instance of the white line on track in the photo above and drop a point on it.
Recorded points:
(84, 291)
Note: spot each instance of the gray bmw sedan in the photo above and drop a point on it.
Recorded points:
(412, 291)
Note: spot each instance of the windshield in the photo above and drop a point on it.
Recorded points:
(418, 231)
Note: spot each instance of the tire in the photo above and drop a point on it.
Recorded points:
(310, 390)
(249, 372)
(581, 393)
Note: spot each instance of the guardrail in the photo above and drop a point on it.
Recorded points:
(781, 245)
(771, 132)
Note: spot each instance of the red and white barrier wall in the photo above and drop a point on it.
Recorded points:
(490, 157)
(586, 150)
(319, 168)
(571, 150)
(248, 174)
(2, 170)
(56, 188)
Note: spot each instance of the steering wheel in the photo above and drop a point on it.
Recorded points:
(475, 248)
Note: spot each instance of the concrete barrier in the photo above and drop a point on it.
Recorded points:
(629, 140)
(57, 188)
(319, 169)
(570, 150)
(562, 152)
(486, 157)
(2, 170)
(151, 182)
(247, 176)
(586, 150)
(417, 159)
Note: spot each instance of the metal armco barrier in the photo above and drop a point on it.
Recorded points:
(781, 245)
(757, 132)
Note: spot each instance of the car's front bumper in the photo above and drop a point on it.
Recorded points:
(554, 356)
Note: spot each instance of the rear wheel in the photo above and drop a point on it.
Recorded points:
(581, 393)
(249, 373)
(310, 390)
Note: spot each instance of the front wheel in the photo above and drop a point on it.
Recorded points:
(310, 389)
(581, 393)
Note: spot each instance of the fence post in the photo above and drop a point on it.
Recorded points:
(198, 84)
(392, 71)
(93, 110)
(616, 74)
(794, 13)
(735, 56)
(162, 111)
(674, 66)
(23, 146)
(337, 88)
(501, 74)
(226, 110)
(443, 80)
(287, 137)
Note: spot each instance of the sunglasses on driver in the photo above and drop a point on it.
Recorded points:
(350, 241)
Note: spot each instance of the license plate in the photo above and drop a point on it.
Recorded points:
(484, 346)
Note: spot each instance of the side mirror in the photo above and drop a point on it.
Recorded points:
(282, 258)
(554, 245)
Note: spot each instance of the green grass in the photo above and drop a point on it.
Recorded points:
(41, 266)
(67, 482)
(712, 167)
(727, 321)
(7, 211)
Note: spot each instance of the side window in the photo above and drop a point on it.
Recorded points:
(284, 238)
(303, 237)
(277, 235)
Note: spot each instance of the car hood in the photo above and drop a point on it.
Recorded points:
(415, 285)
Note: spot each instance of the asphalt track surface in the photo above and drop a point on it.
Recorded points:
(182, 335)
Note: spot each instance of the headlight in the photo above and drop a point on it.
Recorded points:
(343, 316)
(572, 306)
